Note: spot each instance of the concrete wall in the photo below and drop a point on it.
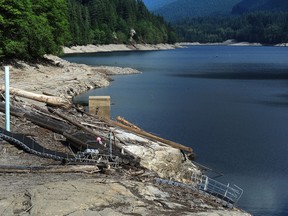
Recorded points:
(100, 106)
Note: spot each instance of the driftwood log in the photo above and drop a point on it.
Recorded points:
(50, 169)
(43, 121)
(151, 136)
(132, 128)
(75, 123)
(89, 131)
(125, 122)
(50, 100)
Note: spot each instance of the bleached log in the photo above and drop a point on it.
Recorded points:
(125, 122)
(74, 122)
(151, 136)
(50, 169)
(94, 126)
(50, 100)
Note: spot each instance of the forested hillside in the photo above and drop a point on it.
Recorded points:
(260, 5)
(261, 27)
(115, 21)
(182, 9)
(32, 28)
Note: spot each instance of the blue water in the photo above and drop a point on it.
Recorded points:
(230, 104)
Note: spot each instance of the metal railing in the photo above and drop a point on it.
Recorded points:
(227, 193)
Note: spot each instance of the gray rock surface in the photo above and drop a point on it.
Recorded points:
(55, 195)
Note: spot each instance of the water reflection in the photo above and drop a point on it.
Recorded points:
(248, 71)
(268, 195)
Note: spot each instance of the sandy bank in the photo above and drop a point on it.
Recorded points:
(117, 47)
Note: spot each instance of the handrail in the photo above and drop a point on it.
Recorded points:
(228, 193)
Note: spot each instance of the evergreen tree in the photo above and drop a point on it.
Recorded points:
(32, 28)
(111, 21)
(262, 27)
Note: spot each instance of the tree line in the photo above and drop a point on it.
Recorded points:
(32, 28)
(262, 27)
(116, 21)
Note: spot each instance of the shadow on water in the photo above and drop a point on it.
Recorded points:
(279, 100)
(261, 75)
(236, 71)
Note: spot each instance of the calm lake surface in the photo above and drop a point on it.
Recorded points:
(230, 104)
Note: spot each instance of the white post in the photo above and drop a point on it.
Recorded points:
(227, 190)
(7, 99)
(110, 145)
(206, 183)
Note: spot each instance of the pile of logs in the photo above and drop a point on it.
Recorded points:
(62, 117)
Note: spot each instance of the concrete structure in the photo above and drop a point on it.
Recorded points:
(100, 106)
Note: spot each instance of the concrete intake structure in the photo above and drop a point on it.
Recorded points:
(100, 106)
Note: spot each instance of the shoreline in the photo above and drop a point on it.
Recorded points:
(224, 43)
(153, 47)
(118, 47)
(229, 43)
(66, 79)
(60, 77)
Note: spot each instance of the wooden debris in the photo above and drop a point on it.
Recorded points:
(75, 123)
(125, 122)
(139, 131)
(50, 169)
(48, 94)
(50, 100)
(95, 126)
(151, 136)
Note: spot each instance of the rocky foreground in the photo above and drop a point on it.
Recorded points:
(124, 191)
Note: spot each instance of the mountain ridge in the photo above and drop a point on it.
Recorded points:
(175, 10)
(246, 6)
(181, 9)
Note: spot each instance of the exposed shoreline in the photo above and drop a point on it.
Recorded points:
(228, 43)
(150, 47)
(66, 79)
(118, 47)
(224, 43)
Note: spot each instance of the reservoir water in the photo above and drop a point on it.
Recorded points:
(230, 104)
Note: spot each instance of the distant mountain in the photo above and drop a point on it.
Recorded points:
(153, 5)
(260, 5)
(180, 9)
